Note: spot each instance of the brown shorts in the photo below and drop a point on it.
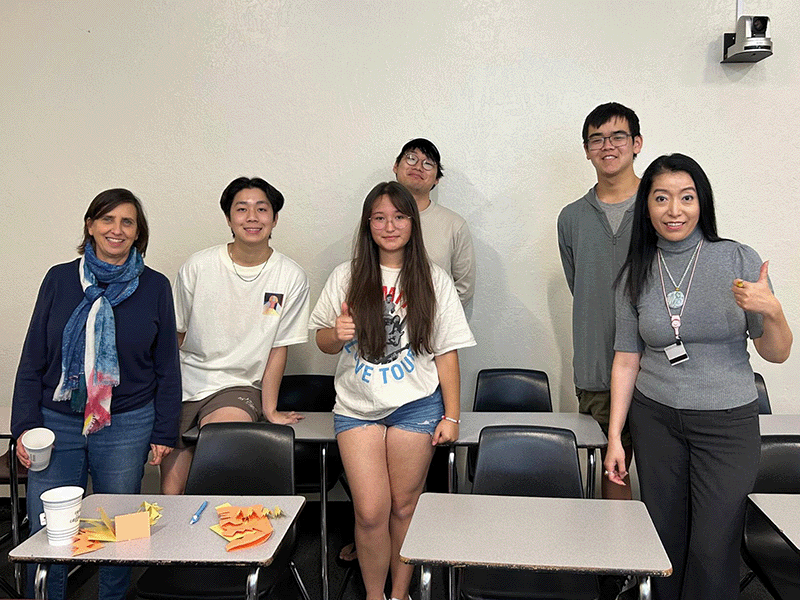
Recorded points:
(246, 398)
(598, 404)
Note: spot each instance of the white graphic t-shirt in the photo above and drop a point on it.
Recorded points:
(232, 321)
(373, 390)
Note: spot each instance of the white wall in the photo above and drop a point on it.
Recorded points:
(175, 99)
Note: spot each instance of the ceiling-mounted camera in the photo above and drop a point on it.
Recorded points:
(750, 43)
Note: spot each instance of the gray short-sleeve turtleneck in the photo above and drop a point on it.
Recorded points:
(714, 329)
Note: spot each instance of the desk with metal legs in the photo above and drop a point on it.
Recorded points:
(556, 534)
(317, 427)
(172, 541)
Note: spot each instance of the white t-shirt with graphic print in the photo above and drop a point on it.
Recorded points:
(373, 390)
(232, 324)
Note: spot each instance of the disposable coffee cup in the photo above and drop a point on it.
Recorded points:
(38, 443)
(62, 513)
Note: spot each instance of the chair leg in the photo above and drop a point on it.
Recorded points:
(746, 580)
(301, 586)
(347, 575)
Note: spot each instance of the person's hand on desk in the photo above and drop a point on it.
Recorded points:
(283, 418)
(614, 464)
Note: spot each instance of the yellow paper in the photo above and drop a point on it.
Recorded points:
(153, 511)
(103, 530)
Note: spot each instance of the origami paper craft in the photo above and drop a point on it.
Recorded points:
(244, 527)
(125, 527)
(81, 544)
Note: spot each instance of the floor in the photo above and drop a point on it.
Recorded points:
(83, 585)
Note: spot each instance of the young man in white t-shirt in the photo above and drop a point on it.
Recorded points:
(238, 307)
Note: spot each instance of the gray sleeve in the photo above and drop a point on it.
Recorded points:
(565, 249)
(748, 267)
(627, 338)
(462, 265)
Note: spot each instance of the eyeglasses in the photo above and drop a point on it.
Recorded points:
(412, 159)
(617, 139)
(400, 221)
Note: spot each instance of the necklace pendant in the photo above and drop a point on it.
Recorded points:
(675, 299)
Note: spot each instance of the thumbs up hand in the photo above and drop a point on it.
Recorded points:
(345, 328)
(755, 296)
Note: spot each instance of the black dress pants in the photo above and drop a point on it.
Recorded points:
(695, 470)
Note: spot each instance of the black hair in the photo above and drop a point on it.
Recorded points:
(427, 148)
(642, 251)
(107, 201)
(246, 183)
(605, 113)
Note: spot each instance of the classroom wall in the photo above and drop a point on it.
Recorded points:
(175, 99)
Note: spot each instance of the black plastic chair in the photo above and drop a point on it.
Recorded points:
(248, 459)
(509, 390)
(764, 407)
(527, 461)
(310, 393)
(763, 549)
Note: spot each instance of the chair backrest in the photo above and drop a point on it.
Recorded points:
(307, 392)
(512, 390)
(779, 470)
(531, 460)
(764, 407)
(247, 459)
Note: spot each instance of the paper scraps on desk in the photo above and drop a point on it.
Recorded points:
(244, 526)
(130, 526)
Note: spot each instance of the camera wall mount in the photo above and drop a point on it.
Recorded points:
(750, 43)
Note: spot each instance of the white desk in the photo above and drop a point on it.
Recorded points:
(318, 427)
(555, 534)
(779, 424)
(173, 540)
(783, 512)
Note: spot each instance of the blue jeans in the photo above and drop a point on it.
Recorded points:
(115, 456)
(418, 416)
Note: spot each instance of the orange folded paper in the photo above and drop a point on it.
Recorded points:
(81, 544)
(244, 527)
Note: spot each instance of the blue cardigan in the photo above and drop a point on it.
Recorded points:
(146, 345)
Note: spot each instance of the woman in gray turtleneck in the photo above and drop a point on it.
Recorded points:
(687, 300)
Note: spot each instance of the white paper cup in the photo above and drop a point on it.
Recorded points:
(38, 443)
(62, 514)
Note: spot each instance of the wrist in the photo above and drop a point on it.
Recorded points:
(451, 419)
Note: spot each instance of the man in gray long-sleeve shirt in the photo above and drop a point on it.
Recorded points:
(594, 233)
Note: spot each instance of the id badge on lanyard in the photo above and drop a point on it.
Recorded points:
(676, 353)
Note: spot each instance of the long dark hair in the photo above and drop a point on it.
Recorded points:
(639, 263)
(107, 201)
(365, 294)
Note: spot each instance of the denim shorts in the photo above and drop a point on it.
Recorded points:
(419, 416)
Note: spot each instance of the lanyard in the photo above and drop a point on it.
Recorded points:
(675, 320)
